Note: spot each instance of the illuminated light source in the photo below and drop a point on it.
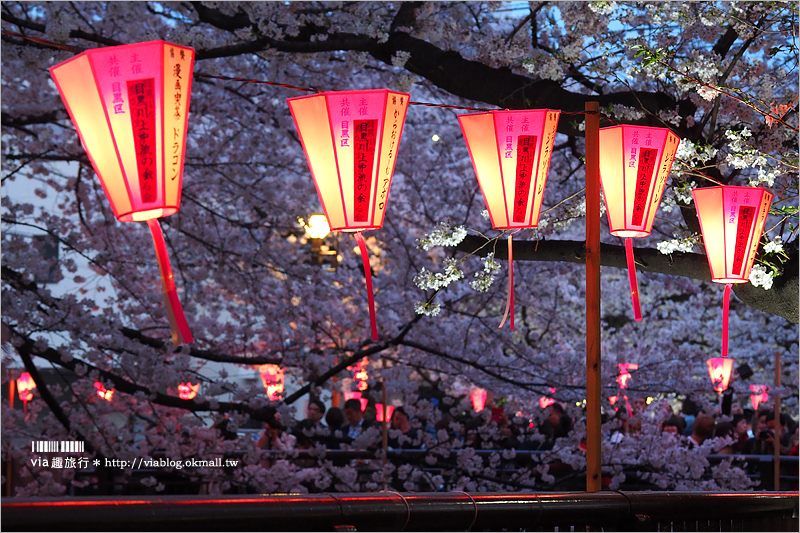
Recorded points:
(272, 379)
(731, 220)
(478, 397)
(317, 227)
(187, 391)
(130, 105)
(379, 412)
(102, 392)
(624, 375)
(25, 386)
(350, 139)
(758, 394)
(510, 152)
(719, 368)
(635, 162)
(435, 138)
(545, 402)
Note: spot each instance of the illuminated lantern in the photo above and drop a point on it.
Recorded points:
(545, 402)
(758, 394)
(478, 397)
(187, 391)
(357, 395)
(624, 375)
(102, 392)
(635, 162)
(272, 378)
(350, 139)
(510, 152)
(719, 368)
(379, 412)
(130, 105)
(731, 220)
(25, 386)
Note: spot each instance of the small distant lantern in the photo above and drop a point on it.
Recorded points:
(758, 395)
(272, 378)
(379, 412)
(358, 395)
(624, 375)
(25, 386)
(102, 392)
(732, 221)
(510, 152)
(478, 398)
(545, 402)
(635, 162)
(187, 391)
(350, 139)
(130, 105)
(719, 368)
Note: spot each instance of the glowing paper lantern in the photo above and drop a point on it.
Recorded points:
(510, 152)
(545, 402)
(25, 386)
(731, 220)
(272, 379)
(187, 391)
(758, 394)
(379, 412)
(478, 397)
(635, 162)
(130, 105)
(624, 375)
(102, 392)
(719, 368)
(350, 140)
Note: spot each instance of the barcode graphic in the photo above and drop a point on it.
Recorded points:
(58, 446)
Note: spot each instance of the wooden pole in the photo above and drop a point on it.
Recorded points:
(776, 440)
(593, 384)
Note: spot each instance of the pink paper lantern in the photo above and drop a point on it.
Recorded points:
(478, 398)
(732, 221)
(379, 412)
(273, 379)
(25, 386)
(545, 402)
(187, 391)
(350, 140)
(719, 368)
(130, 105)
(102, 392)
(510, 152)
(624, 375)
(635, 162)
(758, 395)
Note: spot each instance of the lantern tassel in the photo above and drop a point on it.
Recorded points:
(726, 303)
(637, 308)
(368, 275)
(177, 320)
(510, 296)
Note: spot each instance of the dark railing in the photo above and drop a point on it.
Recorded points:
(392, 511)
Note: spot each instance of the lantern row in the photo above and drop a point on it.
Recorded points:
(130, 107)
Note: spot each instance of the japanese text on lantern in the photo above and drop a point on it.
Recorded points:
(178, 88)
(393, 138)
(747, 216)
(143, 114)
(544, 158)
(366, 132)
(526, 148)
(644, 175)
(670, 149)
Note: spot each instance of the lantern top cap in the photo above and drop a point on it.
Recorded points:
(654, 128)
(102, 49)
(511, 111)
(351, 91)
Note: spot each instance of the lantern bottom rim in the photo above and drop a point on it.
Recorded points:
(147, 214)
(630, 233)
(730, 280)
(354, 230)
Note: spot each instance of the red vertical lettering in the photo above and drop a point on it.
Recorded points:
(644, 176)
(526, 150)
(141, 94)
(747, 216)
(366, 132)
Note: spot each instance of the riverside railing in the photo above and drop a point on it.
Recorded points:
(393, 511)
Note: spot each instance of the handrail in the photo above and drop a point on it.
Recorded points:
(392, 511)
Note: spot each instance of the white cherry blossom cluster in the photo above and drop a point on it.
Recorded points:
(760, 276)
(685, 244)
(484, 279)
(427, 308)
(426, 279)
(602, 7)
(774, 246)
(443, 235)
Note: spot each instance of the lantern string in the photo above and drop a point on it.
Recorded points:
(637, 308)
(177, 320)
(726, 300)
(368, 276)
(510, 296)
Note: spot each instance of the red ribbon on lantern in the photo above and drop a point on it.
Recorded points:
(635, 162)
(510, 152)
(350, 139)
(130, 105)
(731, 221)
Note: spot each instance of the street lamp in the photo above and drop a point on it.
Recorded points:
(317, 229)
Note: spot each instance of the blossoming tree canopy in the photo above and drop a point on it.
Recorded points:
(130, 105)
